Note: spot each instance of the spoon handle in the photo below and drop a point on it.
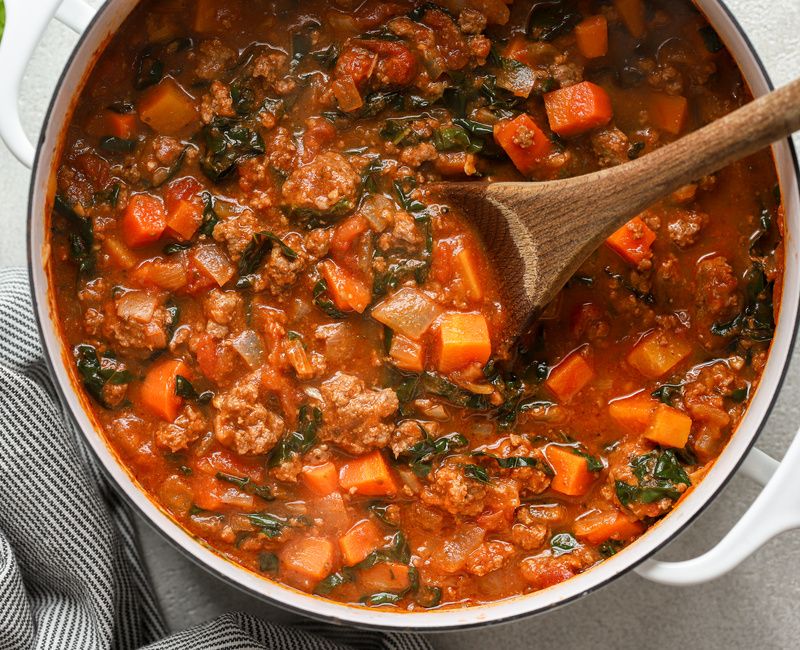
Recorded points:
(740, 133)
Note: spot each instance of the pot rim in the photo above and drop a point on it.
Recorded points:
(194, 548)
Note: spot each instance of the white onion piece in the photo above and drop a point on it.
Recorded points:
(408, 312)
(214, 263)
(347, 94)
(298, 357)
(137, 306)
(378, 211)
(452, 552)
(249, 347)
(478, 389)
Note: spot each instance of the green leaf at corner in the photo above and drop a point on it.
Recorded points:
(2, 18)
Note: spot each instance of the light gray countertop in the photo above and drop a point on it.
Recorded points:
(755, 605)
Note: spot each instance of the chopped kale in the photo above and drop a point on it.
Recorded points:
(98, 371)
(227, 143)
(421, 456)
(246, 484)
(252, 256)
(299, 441)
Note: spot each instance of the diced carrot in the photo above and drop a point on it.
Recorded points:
(518, 49)
(170, 274)
(347, 291)
(120, 125)
(158, 388)
(577, 109)
(591, 35)
(167, 108)
(598, 527)
(632, 242)
(658, 353)
(407, 354)
(321, 479)
(121, 255)
(569, 377)
(632, 14)
(144, 220)
(572, 475)
(668, 112)
(465, 266)
(391, 577)
(670, 427)
(524, 142)
(305, 561)
(185, 219)
(633, 413)
(359, 541)
(462, 339)
(347, 231)
(368, 475)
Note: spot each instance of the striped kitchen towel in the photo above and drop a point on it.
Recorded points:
(70, 572)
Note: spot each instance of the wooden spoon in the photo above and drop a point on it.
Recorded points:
(538, 234)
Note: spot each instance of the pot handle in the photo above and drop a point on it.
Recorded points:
(25, 23)
(775, 510)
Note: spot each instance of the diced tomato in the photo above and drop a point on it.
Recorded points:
(398, 64)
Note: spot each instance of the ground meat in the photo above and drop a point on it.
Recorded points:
(242, 422)
(704, 401)
(270, 66)
(716, 295)
(280, 272)
(213, 58)
(666, 78)
(533, 479)
(187, 428)
(547, 570)
(217, 102)
(237, 232)
(417, 154)
(685, 225)
(529, 537)
(404, 229)
(222, 306)
(138, 332)
(322, 183)
(611, 146)
(471, 21)
(452, 491)
(488, 557)
(289, 470)
(566, 72)
(281, 150)
(158, 152)
(355, 414)
(406, 434)
(619, 469)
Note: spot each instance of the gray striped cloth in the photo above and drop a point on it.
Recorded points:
(70, 572)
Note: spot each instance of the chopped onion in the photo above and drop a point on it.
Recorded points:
(137, 305)
(170, 274)
(214, 263)
(409, 478)
(408, 312)
(516, 77)
(342, 22)
(432, 410)
(298, 357)
(378, 210)
(450, 554)
(478, 389)
(347, 94)
(248, 345)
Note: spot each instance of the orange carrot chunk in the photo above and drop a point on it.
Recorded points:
(306, 561)
(468, 273)
(633, 241)
(524, 142)
(347, 232)
(120, 125)
(577, 109)
(369, 475)
(572, 475)
(167, 108)
(591, 35)
(462, 339)
(670, 427)
(658, 353)
(321, 479)
(184, 219)
(569, 377)
(144, 220)
(359, 541)
(632, 14)
(158, 388)
(598, 527)
(407, 354)
(633, 413)
(668, 112)
(348, 292)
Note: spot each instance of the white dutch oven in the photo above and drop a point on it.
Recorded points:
(777, 509)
